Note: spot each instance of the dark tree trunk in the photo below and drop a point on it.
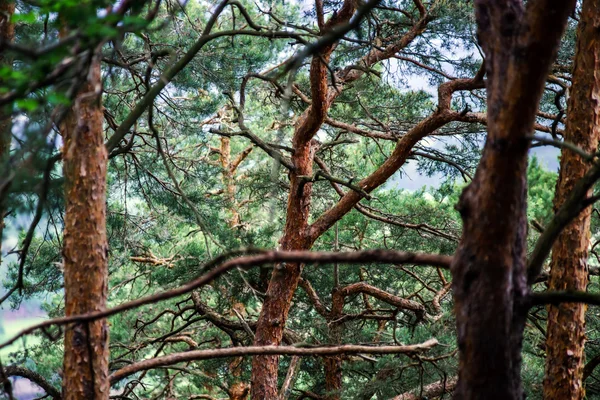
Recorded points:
(568, 269)
(85, 248)
(489, 268)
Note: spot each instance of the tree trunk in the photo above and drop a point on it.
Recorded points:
(489, 268)
(333, 364)
(285, 277)
(296, 236)
(568, 269)
(7, 35)
(85, 244)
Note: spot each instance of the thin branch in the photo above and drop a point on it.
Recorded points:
(290, 378)
(191, 205)
(221, 265)
(34, 377)
(170, 74)
(566, 296)
(432, 390)
(563, 144)
(572, 206)
(196, 355)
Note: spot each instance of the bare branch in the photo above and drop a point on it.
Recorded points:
(34, 377)
(220, 266)
(432, 390)
(566, 296)
(572, 206)
(196, 355)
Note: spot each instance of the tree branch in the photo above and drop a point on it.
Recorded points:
(566, 296)
(399, 302)
(197, 355)
(221, 265)
(571, 207)
(432, 390)
(35, 378)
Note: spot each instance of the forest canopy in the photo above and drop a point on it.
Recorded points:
(329, 199)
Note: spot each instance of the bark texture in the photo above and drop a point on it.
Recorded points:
(7, 34)
(285, 277)
(489, 268)
(568, 269)
(85, 244)
(298, 234)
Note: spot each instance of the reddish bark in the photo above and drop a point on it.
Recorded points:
(239, 391)
(298, 234)
(489, 274)
(568, 269)
(7, 34)
(85, 244)
(285, 277)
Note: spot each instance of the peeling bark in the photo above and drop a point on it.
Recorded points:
(85, 243)
(568, 269)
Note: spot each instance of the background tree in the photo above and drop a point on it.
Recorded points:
(568, 268)
(210, 114)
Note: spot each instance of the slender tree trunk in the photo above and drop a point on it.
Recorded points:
(489, 268)
(285, 277)
(333, 364)
(85, 244)
(568, 269)
(7, 34)
(228, 182)
(297, 235)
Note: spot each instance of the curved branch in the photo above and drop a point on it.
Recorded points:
(265, 350)
(572, 206)
(170, 74)
(221, 265)
(399, 302)
(35, 378)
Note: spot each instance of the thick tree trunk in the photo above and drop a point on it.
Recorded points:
(85, 244)
(568, 269)
(489, 273)
(7, 34)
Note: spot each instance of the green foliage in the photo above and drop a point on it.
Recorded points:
(157, 241)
